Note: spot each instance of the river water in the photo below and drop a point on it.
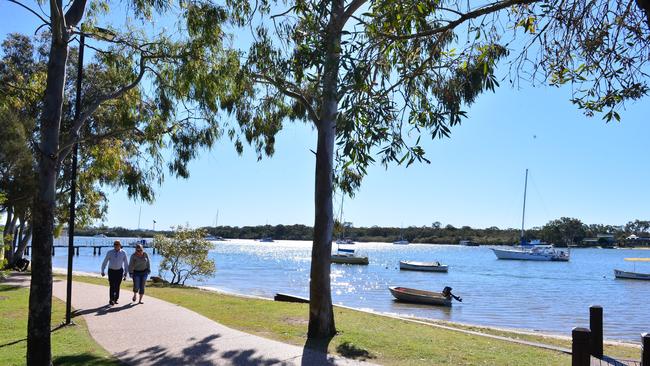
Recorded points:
(544, 296)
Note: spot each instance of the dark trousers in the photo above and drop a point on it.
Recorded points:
(115, 280)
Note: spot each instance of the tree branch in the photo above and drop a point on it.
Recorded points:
(292, 94)
(75, 13)
(30, 10)
(487, 9)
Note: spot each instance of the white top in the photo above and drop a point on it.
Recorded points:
(116, 259)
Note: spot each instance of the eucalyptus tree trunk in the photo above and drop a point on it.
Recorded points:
(40, 295)
(321, 314)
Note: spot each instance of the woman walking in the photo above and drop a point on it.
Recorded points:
(139, 269)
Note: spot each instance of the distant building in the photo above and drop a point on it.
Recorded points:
(634, 240)
(599, 240)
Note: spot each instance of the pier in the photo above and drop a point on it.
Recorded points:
(587, 345)
(97, 249)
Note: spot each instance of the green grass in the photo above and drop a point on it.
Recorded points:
(361, 335)
(70, 345)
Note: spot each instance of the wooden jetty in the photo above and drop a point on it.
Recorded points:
(97, 249)
(587, 345)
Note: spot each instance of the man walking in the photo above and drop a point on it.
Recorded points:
(118, 267)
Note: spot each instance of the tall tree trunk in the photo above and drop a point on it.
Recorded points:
(40, 295)
(22, 244)
(321, 314)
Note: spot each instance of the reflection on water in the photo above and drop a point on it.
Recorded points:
(545, 296)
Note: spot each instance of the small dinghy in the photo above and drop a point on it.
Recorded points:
(423, 266)
(345, 258)
(412, 295)
(633, 275)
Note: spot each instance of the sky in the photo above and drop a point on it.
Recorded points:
(578, 167)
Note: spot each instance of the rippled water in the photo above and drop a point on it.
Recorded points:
(545, 296)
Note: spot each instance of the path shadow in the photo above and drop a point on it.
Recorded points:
(103, 310)
(11, 343)
(86, 359)
(203, 352)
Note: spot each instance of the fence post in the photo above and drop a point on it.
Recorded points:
(645, 349)
(596, 327)
(580, 355)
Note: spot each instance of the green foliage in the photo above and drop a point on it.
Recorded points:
(602, 48)
(391, 90)
(564, 230)
(185, 255)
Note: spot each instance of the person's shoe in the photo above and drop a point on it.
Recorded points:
(116, 302)
(133, 298)
(111, 302)
(140, 302)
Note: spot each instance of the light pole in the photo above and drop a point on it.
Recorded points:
(107, 35)
(73, 185)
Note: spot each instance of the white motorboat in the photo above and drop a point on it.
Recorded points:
(401, 242)
(423, 266)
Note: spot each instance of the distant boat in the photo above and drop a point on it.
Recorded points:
(468, 243)
(401, 242)
(345, 250)
(342, 238)
(633, 275)
(214, 238)
(423, 266)
(100, 236)
(267, 239)
(423, 297)
(534, 250)
(347, 241)
(347, 258)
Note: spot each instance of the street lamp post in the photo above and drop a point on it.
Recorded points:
(73, 185)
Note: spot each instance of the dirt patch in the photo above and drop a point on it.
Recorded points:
(295, 321)
(3, 297)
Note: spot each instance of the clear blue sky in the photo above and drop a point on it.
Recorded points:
(579, 167)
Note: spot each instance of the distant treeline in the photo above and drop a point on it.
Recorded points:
(563, 231)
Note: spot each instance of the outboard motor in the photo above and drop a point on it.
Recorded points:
(446, 292)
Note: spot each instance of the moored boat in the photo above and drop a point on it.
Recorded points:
(423, 266)
(534, 250)
(347, 241)
(267, 239)
(349, 259)
(401, 242)
(468, 243)
(631, 275)
(423, 297)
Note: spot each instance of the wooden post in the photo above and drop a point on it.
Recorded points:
(596, 327)
(52, 250)
(99, 251)
(77, 248)
(27, 250)
(580, 355)
(645, 349)
(94, 250)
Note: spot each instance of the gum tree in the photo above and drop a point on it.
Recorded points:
(374, 76)
(184, 79)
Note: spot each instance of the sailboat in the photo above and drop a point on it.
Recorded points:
(342, 239)
(401, 240)
(534, 250)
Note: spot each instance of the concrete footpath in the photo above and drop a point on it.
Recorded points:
(161, 333)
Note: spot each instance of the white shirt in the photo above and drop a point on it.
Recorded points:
(116, 259)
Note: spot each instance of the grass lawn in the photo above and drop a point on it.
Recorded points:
(361, 335)
(70, 345)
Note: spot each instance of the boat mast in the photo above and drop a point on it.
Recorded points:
(523, 214)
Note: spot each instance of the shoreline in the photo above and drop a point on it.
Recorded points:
(458, 326)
